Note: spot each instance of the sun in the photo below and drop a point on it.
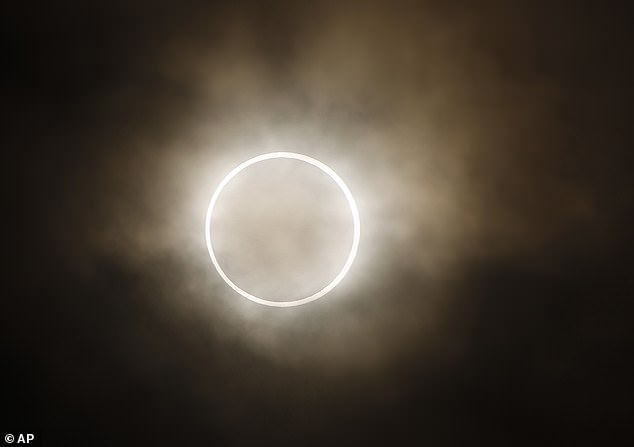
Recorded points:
(354, 211)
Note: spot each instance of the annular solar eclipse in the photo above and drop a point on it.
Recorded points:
(354, 245)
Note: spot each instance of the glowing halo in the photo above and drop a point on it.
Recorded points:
(353, 209)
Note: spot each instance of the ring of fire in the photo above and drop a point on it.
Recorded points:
(353, 210)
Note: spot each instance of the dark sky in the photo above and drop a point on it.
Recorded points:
(488, 148)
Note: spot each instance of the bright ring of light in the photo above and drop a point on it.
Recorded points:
(355, 219)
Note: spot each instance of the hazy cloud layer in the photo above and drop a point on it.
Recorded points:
(484, 146)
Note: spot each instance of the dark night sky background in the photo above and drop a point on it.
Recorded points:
(489, 146)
